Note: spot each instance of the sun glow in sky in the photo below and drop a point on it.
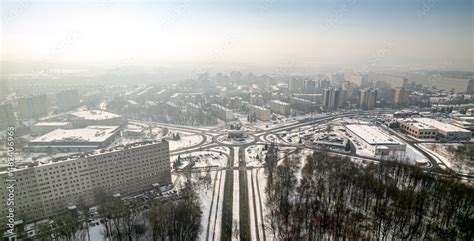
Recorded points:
(403, 32)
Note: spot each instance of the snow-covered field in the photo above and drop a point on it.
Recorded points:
(186, 140)
(255, 155)
(441, 152)
(200, 159)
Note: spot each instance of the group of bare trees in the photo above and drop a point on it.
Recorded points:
(177, 218)
(335, 198)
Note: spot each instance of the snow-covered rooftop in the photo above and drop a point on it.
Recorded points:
(95, 115)
(52, 124)
(279, 102)
(88, 134)
(372, 135)
(440, 125)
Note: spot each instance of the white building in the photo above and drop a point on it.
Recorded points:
(222, 112)
(446, 131)
(45, 127)
(261, 113)
(375, 140)
(48, 187)
(280, 107)
(75, 140)
(95, 117)
(7, 116)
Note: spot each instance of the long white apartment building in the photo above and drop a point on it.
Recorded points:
(222, 112)
(43, 189)
(261, 113)
(280, 107)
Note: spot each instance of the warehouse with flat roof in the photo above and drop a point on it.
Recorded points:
(75, 140)
(375, 140)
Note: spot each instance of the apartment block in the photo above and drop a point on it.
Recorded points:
(46, 188)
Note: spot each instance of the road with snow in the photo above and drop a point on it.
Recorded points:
(236, 208)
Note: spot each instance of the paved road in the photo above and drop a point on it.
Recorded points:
(261, 138)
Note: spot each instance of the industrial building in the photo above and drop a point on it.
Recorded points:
(417, 129)
(41, 128)
(375, 140)
(465, 122)
(95, 117)
(280, 107)
(75, 140)
(422, 128)
(46, 188)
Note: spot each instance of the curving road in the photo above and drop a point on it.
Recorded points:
(260, 137)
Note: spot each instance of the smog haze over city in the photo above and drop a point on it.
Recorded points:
(236, 120)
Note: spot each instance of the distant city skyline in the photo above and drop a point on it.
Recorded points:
(364, 33)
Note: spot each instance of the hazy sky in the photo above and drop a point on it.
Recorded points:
(262, 32)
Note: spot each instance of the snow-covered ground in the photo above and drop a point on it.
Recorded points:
(235, 208)
(222, 149)
(206, 199)
(186, 140)
(255, 155)
(441, 152)
(253, 231)
(219, 200)
(97, 232)
(236, 156)
(260, 185)
(200, 159)
(231, 141)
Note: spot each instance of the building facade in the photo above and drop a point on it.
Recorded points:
(45, 189)
(33, 106)
(280, 107)
(261, 113)
(7, 116)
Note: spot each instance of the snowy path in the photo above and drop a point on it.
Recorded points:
(235, 207)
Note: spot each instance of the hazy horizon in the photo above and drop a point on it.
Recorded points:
(365, 34)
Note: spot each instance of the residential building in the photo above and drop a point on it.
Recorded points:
(65, 100)
(34, 106)
(222, 112)
(46, 188)
(280, 107)
(7, 116)
(260, 113)
(401, 97)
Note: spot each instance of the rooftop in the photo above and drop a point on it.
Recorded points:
(88, 134)
(279, 102)
(95, 115)
(372, 135)
(220, 107)
(52, 123)
(417, 124)
(259, 107)
(440, 125)
(88, 154)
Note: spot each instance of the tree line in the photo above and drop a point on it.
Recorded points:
(334, 198)
(127, 220)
